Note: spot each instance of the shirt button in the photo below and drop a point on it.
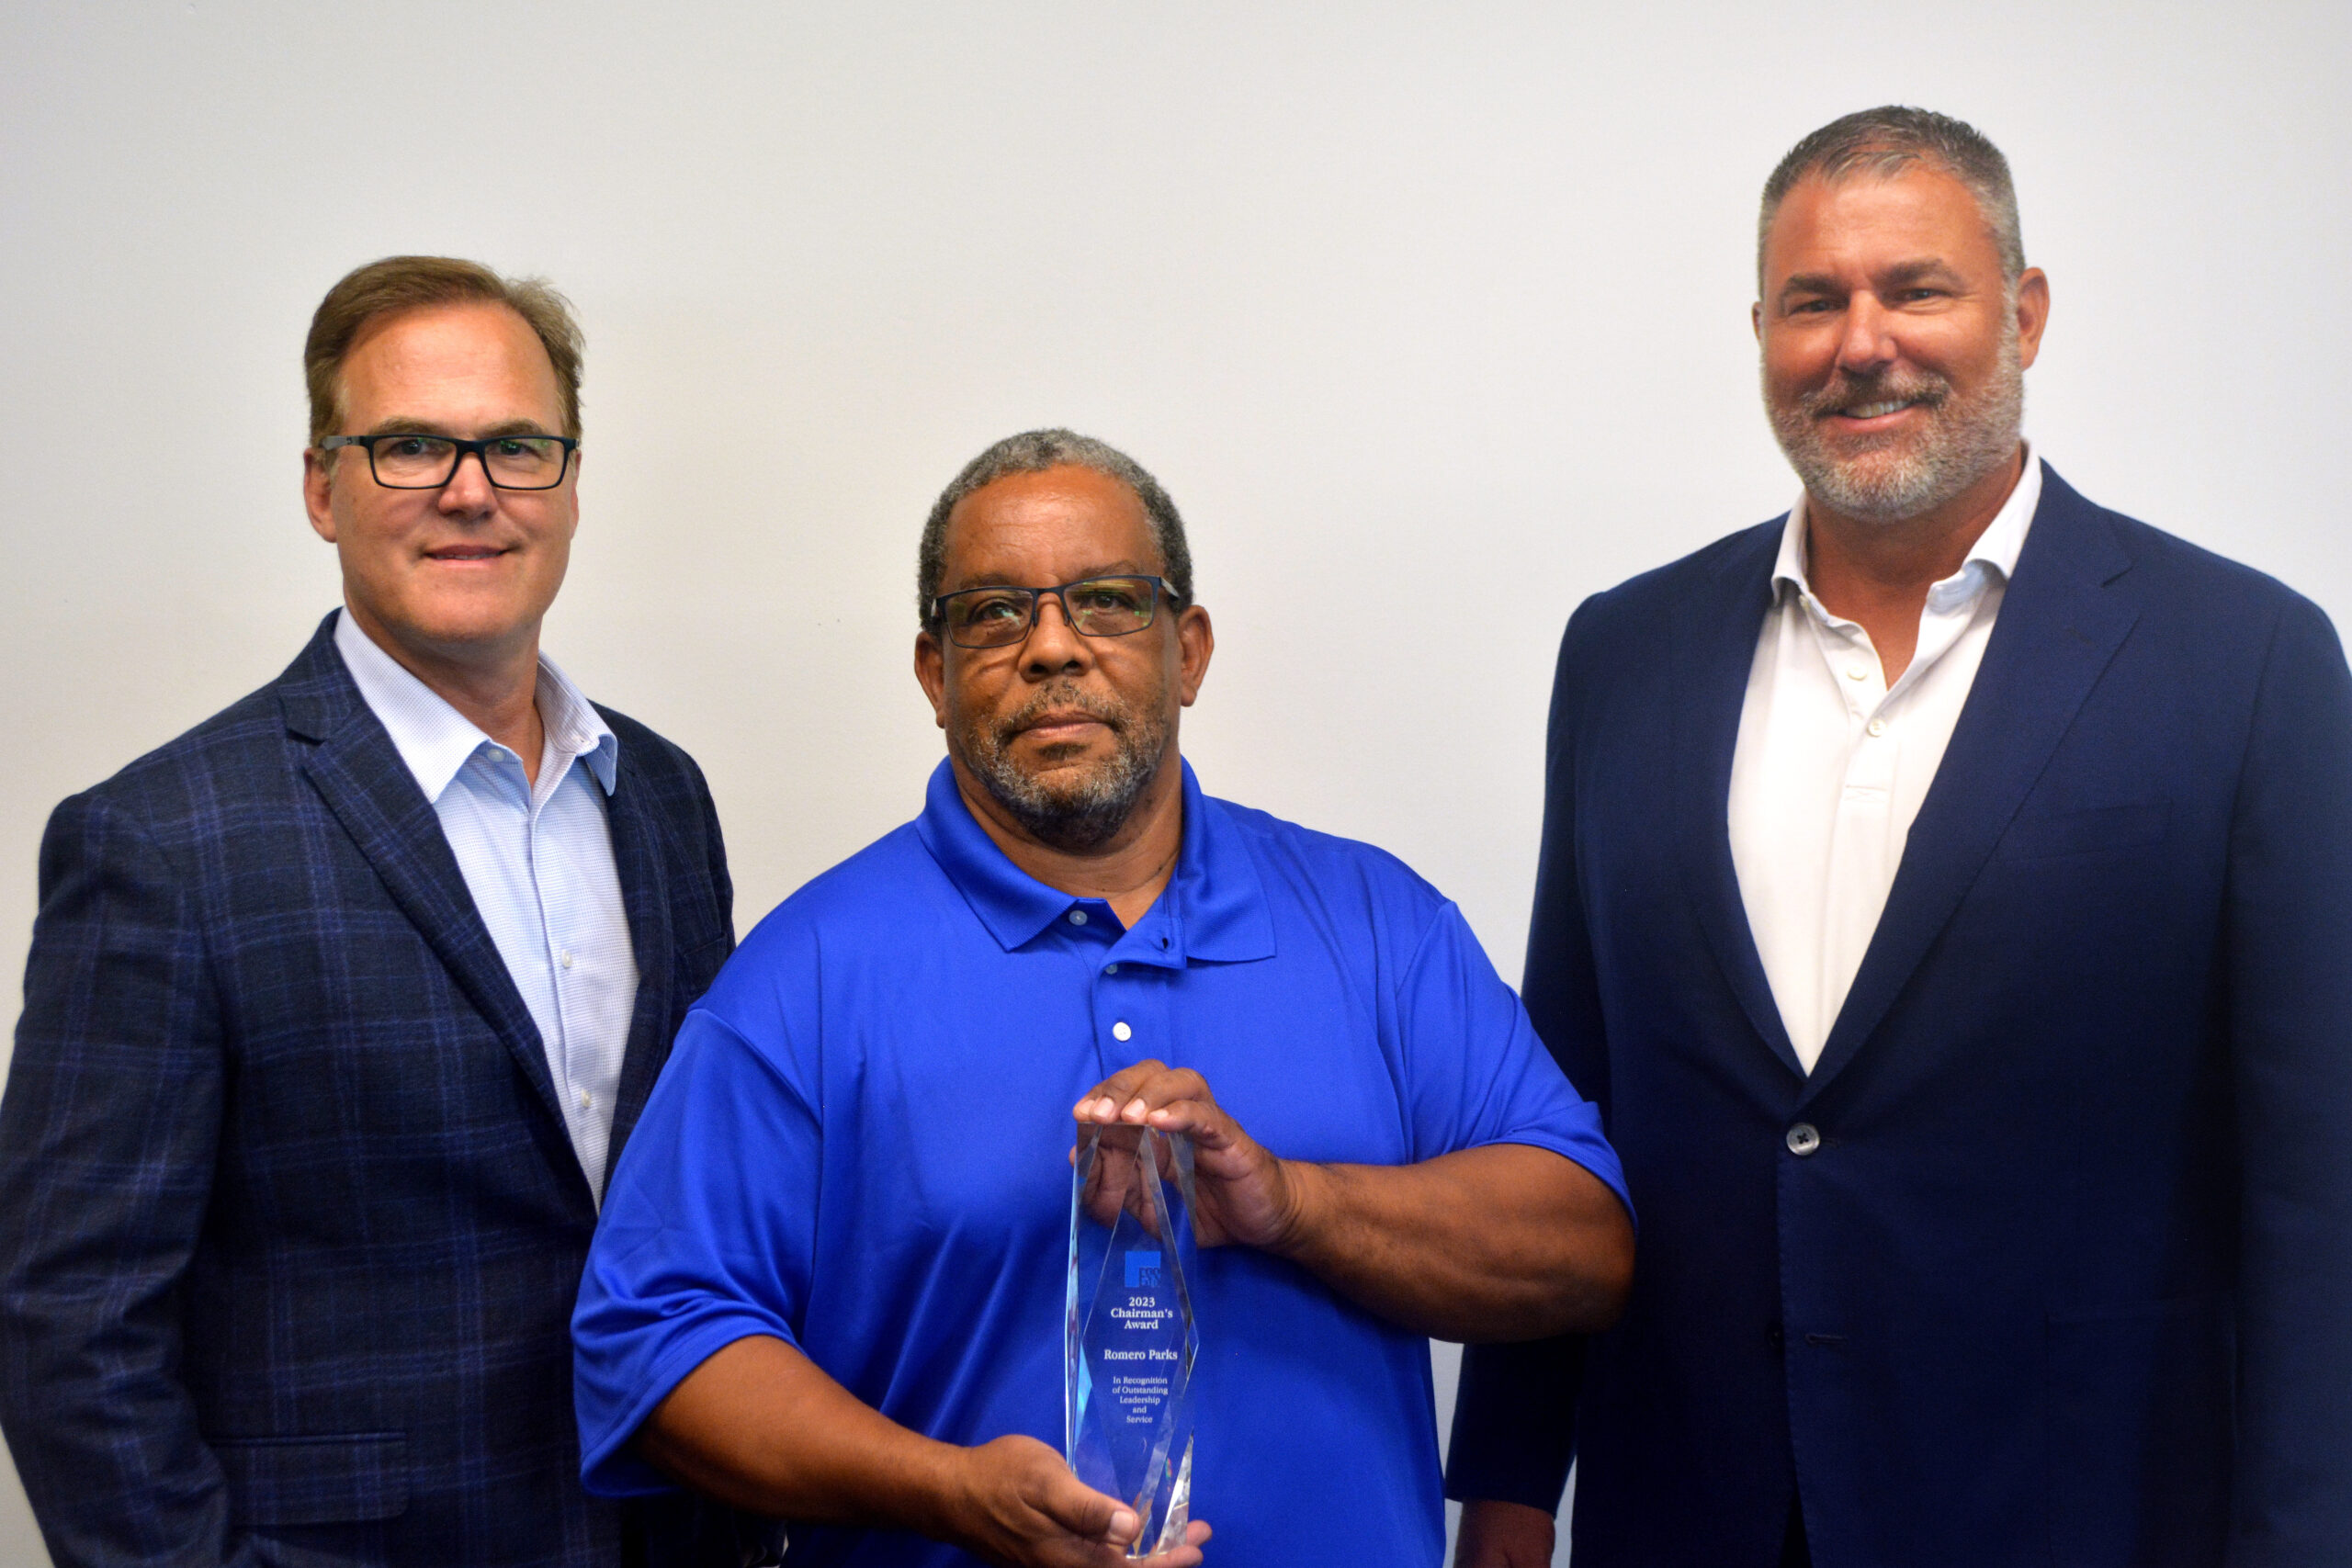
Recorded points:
(564, 959)
(1803, 1139)
(1876, 727)
(587, 1102)
(1078, 917)
(1110, 969)
(1120, 1031)
(1858, 672)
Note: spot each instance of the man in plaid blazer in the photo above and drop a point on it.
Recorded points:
(304, 1137)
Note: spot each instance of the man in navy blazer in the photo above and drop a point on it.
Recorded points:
(1946, 891)
(338, 1009)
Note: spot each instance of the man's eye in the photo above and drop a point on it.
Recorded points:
(409, 446)
(997, 607)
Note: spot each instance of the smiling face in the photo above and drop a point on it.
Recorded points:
(1893, 356)
(1065, 735)
(457, 578)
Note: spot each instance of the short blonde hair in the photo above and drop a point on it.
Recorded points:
(385, 288)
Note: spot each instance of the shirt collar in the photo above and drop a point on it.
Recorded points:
(1996, 550)
(435, 740)
(1214, 909)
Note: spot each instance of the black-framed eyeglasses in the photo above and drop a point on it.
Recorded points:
(1094, 606)
(410, 460)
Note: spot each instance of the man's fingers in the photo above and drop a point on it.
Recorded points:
(1117, 1089)
(1503, 1535)
(1183, 1555)
(1169, 1086)
(1132, 1095)
(1206, 1122)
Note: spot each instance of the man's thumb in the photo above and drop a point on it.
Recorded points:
(1089, 1514)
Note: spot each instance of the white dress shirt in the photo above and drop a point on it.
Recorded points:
(538, 861)
(1832, 764)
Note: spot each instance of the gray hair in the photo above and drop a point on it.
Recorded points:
(1883, 142)
(1034, 452)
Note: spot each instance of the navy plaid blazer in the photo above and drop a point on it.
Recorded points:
(291, 1227)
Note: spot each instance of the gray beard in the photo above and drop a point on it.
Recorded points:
(1893, 483)
(1081, 815)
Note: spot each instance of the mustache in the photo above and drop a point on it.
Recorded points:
(1847, 391)
(1061, 700)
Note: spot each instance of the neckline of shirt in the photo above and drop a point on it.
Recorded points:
(1215, 907)
(435, 741)
(1996, 550)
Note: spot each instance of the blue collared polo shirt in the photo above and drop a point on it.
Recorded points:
(859, 1146)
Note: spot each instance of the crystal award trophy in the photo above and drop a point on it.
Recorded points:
(1129, 1340)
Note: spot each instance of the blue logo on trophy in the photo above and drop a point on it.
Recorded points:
(1143, 1268)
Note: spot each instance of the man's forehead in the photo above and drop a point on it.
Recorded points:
(447, 348)
(1052, 518)
(1920, 209)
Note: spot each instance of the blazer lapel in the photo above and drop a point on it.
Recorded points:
(358, 772)
(2060, 625)
(1715, 630)
(641, 852)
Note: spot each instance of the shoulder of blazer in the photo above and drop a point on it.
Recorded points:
(1728, 565)
(2166, 565)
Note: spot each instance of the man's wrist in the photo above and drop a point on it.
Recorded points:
(1305, 1192)
(940, 1498)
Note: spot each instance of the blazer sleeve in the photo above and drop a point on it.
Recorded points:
(1514, 1413)
(109, 1132)
(2288, 972)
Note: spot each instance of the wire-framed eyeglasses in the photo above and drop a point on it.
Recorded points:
(1094, 606)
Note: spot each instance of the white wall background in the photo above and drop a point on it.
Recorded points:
(1432, 317)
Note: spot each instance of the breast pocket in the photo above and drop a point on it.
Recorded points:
(342, 1478)
(2046, 835)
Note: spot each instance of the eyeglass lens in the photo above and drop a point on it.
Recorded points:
(1100, 606)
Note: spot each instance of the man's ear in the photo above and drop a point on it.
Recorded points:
(1195, 643)
(318, 490)
(931, 674)
(2033, 313)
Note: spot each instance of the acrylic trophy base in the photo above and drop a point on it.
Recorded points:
(1129, 1339)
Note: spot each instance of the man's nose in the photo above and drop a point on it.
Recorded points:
(469, 490)
(1053, 645)
(1868, 342)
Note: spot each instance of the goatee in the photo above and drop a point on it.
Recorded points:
(1899, 476)
(1077, 810)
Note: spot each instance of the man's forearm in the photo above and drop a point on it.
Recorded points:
(762, 1427)
(1503, 1242)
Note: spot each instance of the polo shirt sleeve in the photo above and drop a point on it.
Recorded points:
(1476, 1073)
(707, 1237)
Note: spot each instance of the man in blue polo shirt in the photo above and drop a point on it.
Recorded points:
(828, 1281)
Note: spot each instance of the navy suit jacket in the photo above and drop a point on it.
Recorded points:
(291, 1227)
(2067, 1279)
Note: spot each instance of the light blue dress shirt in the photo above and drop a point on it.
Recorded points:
(538, 860)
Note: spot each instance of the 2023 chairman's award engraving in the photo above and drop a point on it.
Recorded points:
(1130, 1341)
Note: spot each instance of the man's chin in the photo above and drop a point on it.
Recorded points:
(1053, 763)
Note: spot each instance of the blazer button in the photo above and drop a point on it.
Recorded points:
(1803, 1139)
